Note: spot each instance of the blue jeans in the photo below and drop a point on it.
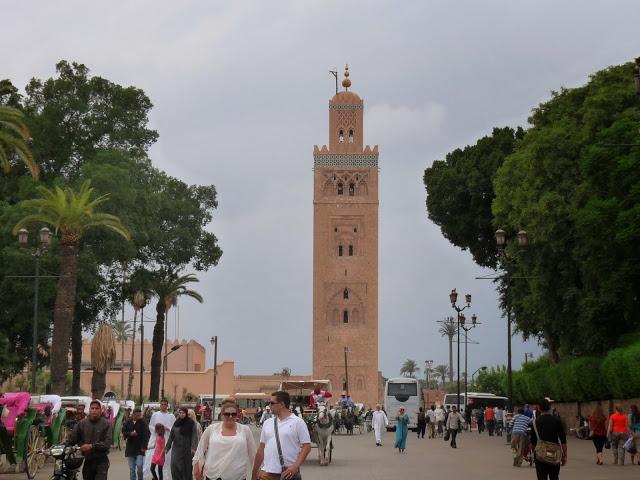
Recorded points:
(135, 464)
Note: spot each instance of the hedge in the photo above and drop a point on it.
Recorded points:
(616, 375)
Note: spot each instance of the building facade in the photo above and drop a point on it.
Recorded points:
(345, 253)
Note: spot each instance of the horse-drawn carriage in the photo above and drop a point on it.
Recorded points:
(348, 419)
(319, 417)
(27, 425)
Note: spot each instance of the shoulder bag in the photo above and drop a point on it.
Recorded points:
(547, 452)
(297, 476)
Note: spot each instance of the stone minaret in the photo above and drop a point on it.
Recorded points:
(345, 253)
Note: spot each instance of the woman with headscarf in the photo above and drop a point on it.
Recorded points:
(402, 430)
(183, 440)
(192, 416)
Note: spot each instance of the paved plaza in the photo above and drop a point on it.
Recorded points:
(478, 457)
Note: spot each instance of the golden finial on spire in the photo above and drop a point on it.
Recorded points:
(346, 83)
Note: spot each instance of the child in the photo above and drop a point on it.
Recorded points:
(158, 453)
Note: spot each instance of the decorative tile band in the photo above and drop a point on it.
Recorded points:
(358, 161)
(344, 107)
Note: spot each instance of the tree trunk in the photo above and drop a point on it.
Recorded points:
(156, 355)
(133, 353)
(450, 360)
(76, 354)
(98, 384)
(63, 314)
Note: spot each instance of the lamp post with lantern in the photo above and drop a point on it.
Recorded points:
(522, 239)
(466, 327)
(453, 298)
(45, 242)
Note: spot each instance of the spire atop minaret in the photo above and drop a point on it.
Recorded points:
(346, 83)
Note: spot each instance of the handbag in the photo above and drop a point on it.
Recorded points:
(547, 452)
(297, 476)
(607, 443)
(630, 445)
(447, 435)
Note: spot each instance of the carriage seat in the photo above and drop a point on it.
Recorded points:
(15, 405)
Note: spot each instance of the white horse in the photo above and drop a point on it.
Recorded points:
(323, 429)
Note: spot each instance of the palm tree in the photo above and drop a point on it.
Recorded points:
(409, 368)
(14, 136)
(138, 301)
(103, 353)
(122, 331)
(71, 214)
(167, 286)
(449, 328)
(441, 371)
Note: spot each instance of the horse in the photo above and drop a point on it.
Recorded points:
(349, 420)
(323, 429)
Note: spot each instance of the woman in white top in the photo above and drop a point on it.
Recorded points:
(226, 449)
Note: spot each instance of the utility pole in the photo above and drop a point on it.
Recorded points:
(142, 353)
(346, 370)
(214, 343)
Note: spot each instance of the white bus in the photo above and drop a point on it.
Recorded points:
(475, 400)
(402, 392)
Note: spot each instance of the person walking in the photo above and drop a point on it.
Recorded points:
(136, 432)
(519, 427)
(548, 428)
(454, 423)
(440, 419)
(402, 430)
(183, 439)
(490, 420)
(266, 415)
(618, 431)
(498, 414)
(157, 459)
(284, 443)
(226, 449)
(634, 427)
(379, 422)
(422, 423)
(431, 424)
(480, 420)
(167, 419)
(93, 434)
(598, 431)
(192, 416)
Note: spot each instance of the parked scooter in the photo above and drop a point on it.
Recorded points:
(66, 463)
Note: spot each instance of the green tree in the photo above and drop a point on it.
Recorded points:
(71, 214)
(74, 115)
(491, 380)
(449, 328)
(103, 353)
(167, 287)
(577, 198)
(442, 371)
(460, 192)
(409, 369)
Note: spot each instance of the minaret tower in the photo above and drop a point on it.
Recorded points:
(345, 253)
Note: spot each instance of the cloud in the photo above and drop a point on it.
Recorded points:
(391, 125)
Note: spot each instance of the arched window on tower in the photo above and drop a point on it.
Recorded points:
(339, 250)
(351, 250)
(352, 189)
(345, 316)
(351, 136)
(340, 188)
(341, 136)
(345, 294)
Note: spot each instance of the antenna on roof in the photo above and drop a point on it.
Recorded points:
(334, 72)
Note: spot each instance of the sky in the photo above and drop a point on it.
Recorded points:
(240, 92)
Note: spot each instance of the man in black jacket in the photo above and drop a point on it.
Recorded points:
(93, 434)
(136, 431)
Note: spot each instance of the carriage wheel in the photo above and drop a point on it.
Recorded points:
(33, 460)
(330, 449)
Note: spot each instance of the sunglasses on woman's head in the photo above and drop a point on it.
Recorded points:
(230, 414)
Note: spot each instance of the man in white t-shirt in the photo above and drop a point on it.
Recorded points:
(294, 440)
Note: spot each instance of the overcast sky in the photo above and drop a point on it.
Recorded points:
(241, 92)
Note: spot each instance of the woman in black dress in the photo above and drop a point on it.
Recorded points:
(184, 440)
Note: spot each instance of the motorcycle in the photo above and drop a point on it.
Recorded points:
(66, 464)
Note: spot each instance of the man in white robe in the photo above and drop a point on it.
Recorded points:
(166, 418)
(379, 423)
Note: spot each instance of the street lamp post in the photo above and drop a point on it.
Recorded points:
(164, 363)
(214, 344)
(346, 370)
(427, 368)
(474, 373)
(528, 356)
(501, 241)
(145, 300)
(453, 297)
(45, 242)
(466, 328)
